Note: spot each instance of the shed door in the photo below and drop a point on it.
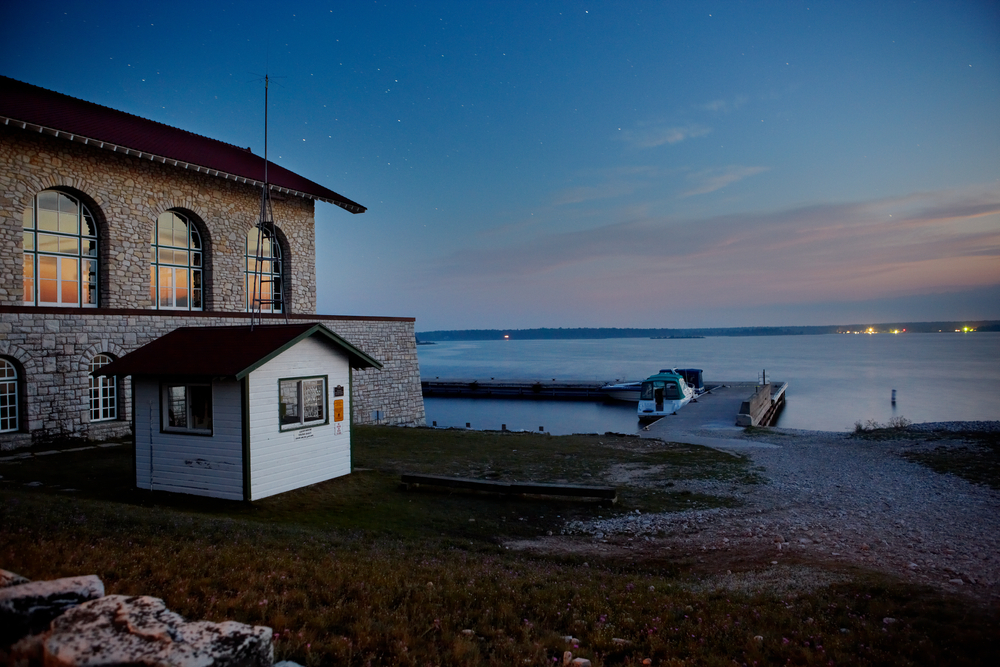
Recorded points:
(144, 416)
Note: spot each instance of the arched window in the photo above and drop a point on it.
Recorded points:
(103, 391)
(60, 252)
(175, 276)
(8, 396)
(267, 283)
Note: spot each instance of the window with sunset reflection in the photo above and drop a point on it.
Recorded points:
(176, 270)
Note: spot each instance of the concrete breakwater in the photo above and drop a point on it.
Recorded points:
(763, 408)
(744, 403)
(533, 389)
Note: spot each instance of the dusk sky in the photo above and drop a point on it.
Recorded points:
(623, 164)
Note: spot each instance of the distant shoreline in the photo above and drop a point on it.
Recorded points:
(584, 333)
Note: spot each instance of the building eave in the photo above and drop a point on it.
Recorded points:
(144, 155)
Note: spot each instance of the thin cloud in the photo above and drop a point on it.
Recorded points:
(613, 183)
(659, 135)
(961, 210)
(722, 105)
(586, 193)
(711, 180)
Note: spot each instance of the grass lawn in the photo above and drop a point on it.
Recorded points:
(359, 571)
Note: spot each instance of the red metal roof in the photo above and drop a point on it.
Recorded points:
(225, 351)
(40, 110)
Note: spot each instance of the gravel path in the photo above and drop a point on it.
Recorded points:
(838, 498)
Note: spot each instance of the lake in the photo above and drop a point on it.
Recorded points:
(833, 380)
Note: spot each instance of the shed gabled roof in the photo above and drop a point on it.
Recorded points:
(225, 351)
(39, 110)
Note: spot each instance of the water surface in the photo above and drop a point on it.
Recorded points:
(834, 380)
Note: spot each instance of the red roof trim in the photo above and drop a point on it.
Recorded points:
(225, 351)
(36, 109)
(210, 314)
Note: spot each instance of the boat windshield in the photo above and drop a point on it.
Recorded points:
(669, 389)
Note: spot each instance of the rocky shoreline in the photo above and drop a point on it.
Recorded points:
(838, 499)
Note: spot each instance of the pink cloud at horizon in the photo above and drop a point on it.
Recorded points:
(925, 242)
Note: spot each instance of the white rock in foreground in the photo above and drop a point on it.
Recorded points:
(121, 630)
(27, 609)
(11, 579)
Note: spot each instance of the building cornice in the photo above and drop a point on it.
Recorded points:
(144, 155)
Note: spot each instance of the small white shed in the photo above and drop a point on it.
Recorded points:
(240, 412)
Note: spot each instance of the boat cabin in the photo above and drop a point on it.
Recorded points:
(663, 394)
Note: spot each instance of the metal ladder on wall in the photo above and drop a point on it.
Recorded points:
(266, 283)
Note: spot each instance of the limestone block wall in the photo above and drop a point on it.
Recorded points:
(394, 390)
(53, 348)
(126, 195)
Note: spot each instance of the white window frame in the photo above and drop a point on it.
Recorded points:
(103, 391)
(189, 415)
(9, 395)
(285, 422)
(193, 270)
(85, 255)
(271, 286)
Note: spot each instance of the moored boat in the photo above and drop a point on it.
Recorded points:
(663, 394)
(630, 391)
(623, 391)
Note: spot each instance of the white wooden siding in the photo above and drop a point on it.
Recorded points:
(196, 464)
(285, 460)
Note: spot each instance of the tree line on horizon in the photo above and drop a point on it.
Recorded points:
(580, 333)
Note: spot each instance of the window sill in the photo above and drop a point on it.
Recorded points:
(188, 431)
(296, 427)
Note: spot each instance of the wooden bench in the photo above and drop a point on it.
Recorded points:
(512, 488)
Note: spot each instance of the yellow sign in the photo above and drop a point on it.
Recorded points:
(338, 410)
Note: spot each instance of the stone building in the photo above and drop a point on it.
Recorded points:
(116, 230)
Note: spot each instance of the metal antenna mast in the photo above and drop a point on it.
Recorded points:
(267, 293)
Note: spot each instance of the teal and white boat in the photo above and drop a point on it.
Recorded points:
(663, 394)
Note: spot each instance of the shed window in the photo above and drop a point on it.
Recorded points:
(187, 408)
(302, 402)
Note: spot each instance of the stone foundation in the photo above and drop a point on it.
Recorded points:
(54, 347)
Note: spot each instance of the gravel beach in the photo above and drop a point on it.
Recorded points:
(834, 499)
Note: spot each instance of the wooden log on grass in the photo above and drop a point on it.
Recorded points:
(573, 490)
(518, 488)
